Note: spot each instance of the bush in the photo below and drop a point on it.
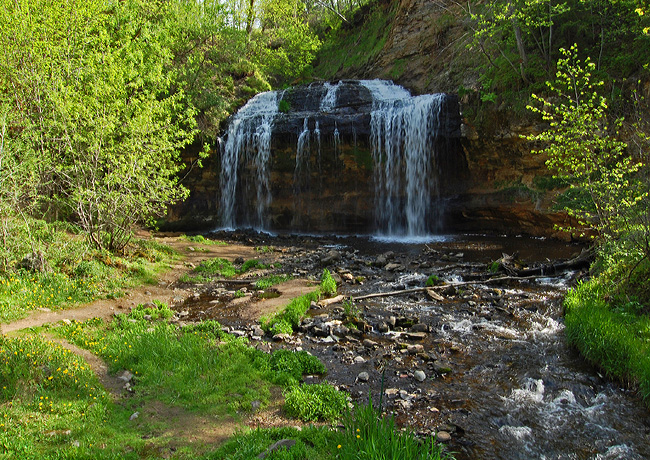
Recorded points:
(292, 365)
(315, 402)
(327, 283)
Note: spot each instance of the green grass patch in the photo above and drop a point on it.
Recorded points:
(613, 336)
(369, 436)
(290, 366)
(53, 406)
(315, 402)
(313, 443)
(82, 278)
(271, 280)
(197, 367)
(200, 239)
(209, 269)
(288, 320)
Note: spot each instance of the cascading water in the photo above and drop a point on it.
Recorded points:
(248, 136)
(374, 143)
(406, 178)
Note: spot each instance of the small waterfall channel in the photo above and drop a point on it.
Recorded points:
(319, 125)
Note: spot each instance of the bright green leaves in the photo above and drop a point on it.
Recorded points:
(90, 96)
(606, 183)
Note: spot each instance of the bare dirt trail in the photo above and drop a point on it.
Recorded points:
(191, 255)
(187, 428)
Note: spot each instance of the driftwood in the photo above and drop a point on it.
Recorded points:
(236, 282)
(583, 260)
(446, 286)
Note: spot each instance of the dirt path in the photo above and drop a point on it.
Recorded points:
(192, 254)
(187, 429)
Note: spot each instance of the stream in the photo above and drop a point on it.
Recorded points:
(487, 364)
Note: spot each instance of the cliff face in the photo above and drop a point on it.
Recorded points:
(426, 51)
(423, 46)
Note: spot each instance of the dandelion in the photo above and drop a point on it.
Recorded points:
(339, 446)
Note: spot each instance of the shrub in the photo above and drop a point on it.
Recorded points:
(315, 402)
(295, 364)
(327, 283)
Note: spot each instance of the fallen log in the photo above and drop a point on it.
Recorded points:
(445, 286)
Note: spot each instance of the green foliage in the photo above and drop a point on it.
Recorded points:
(202, 240)
(50, 397)
(271, 280)
(196, 367)
(284, 106)
(289, 318)
(433, 280)
(315, 402)
(369, 436)
(613, 336)
(94, 101)
(327, 283)
(157, 311)
(313, 443)
(583, 150)
(290, 366)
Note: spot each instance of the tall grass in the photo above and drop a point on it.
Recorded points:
(610, 336)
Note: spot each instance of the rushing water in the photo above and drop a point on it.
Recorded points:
(516, 390)
(403, 131)
(249, 134)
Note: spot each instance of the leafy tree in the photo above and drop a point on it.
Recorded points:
(608, 187)
(90, 97)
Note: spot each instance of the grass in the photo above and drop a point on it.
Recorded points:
(310, 403)
(271, 280)
(200, 239)
(93, 275)
(207, 270)
(613, 336)
(53, 406)
(288, 320)
(369, 436)
(365, 436)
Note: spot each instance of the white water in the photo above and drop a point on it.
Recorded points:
(403, 129)
(248, 138)
(328, 103)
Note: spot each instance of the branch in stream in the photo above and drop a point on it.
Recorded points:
(445, 286)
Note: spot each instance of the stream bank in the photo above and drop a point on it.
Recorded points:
(484, 366)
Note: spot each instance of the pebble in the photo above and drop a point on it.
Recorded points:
(359, 360)
(134, 416)
(443, 436)
(420, 376)
(363, 377)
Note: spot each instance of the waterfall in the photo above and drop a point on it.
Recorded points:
(377, 165)
(328, 103)
(403, 131)
(248, 139)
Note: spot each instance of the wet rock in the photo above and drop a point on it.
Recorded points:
(416, 335)
(420, 376)
(406, 321)
(359, 360)
(441, 367)
(330, 258)
(369, 343)
(257, 331)
(420, 327)
(443, 436)
(363, 377)
(383, 327)
(449, 291)
(393, 267)
(414, 349)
